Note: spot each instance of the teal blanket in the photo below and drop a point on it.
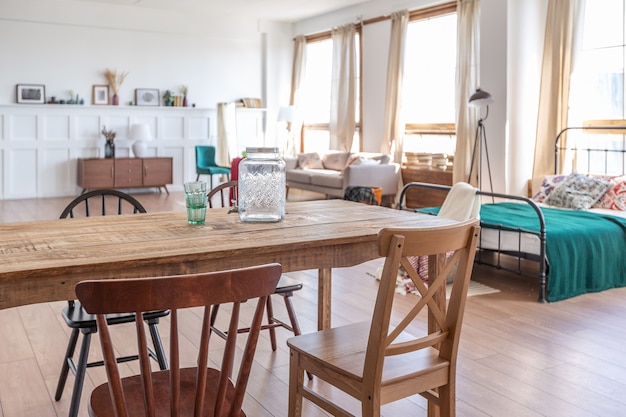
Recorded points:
(586, 252)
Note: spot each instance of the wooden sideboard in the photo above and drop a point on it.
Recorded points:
(425, 197)
(124, 173)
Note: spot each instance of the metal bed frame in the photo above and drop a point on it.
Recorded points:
(495, 257)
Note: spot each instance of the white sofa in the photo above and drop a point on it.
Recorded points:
(335, 171)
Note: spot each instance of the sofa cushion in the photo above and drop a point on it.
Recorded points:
(327, 178)
(299, 175)
(336, 160)
(310, 160)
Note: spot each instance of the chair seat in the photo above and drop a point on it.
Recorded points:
(101, 404)
(212, 170)
(77, 318)
(342, 350)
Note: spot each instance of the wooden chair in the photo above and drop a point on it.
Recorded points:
(378, 362)
(206, 165)
(231, 189)
(186, 392)
(285, 288)
(92, 203)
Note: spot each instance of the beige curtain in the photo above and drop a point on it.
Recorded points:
(562, 24)
(467, 80)
(343, 88)
(226, 133)
(394, 127)
(297, 77)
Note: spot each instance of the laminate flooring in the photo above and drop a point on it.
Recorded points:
(517, 358)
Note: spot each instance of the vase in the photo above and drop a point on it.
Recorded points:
(115, 100)
(184, 101)
(109, 149)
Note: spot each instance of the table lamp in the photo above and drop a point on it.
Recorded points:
(140, 134)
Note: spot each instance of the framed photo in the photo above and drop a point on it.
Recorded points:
(147, 96)
(100, 94)
(31, 93)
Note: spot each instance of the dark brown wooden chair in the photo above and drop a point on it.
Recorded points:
(97, 203)
(378, 362)
(186, 392)
(285, 288)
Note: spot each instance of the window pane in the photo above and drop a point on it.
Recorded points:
(429, 72)
(603, 23)
(315, 103)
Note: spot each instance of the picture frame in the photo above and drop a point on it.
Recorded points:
(147, 97)
(30, 93)
(100, 95)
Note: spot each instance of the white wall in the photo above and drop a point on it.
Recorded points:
(68, 45)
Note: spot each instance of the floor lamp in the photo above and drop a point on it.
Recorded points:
(479, 99)
(287, 114)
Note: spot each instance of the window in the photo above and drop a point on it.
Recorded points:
(428, 99)
(315, 102)
(597, 85)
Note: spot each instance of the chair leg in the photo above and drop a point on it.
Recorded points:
(65, 369)
(270, 320)
(197, 177)
(447, 406)
(293, 320)
(158, 345)
(296, 381)
(81, 370)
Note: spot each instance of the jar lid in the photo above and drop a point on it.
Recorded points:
(262, 150)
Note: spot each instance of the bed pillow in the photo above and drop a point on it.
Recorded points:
(578, 192)
(550, 182)
(310, 160)
(615, 197)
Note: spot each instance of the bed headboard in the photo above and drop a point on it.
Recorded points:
(597, 147)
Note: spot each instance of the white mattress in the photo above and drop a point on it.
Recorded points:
(527, 243)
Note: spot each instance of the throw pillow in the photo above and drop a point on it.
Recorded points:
(335, 160)
(615, 197)
(550, 182)
(578, 192)
(310, 160)
(365, 161)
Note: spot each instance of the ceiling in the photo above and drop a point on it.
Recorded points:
(280, 10)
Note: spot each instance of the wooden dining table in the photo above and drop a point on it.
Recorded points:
(42, 261)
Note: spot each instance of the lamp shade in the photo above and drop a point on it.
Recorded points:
(480, 98)
(140, 134)
(287, 114)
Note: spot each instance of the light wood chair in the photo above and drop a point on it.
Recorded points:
(186, 392)
(379, 362)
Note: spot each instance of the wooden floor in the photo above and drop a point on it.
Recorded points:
(517, 357)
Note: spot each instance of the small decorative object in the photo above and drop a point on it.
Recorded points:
(262, 186)
(115, 80)
(109, 145)
(147, 96)
(100, 94)
(140, 134)
(184, 89)
(30, 93)
(168, 98)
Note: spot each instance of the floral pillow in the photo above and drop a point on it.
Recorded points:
(550, 182)
(578, 192)
(615, 197)
(310, 160)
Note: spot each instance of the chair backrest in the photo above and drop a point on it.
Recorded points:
(230, 187)
(211, 388)
(102, 202)
(205, 156)
(397, 245)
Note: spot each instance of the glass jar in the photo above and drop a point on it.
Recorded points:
(261, 186)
